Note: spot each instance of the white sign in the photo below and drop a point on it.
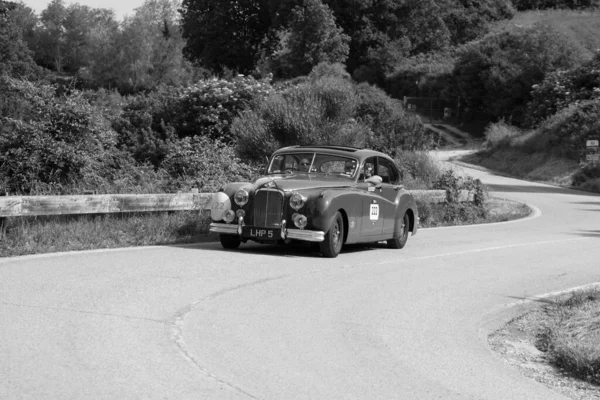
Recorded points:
(592, 157)
(374, 214)
(592, 143)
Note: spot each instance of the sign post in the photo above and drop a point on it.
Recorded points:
(592, 154)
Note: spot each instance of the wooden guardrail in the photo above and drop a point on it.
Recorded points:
(12, 206)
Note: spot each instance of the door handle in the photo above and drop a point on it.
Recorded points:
(397, 188)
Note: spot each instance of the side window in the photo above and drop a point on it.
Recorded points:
(387, 171)
(368, 169)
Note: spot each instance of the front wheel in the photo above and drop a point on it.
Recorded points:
(334, 238)
(230, 241)
(400, 241)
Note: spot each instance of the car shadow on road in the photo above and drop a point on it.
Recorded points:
(538, 189)
(543, 300)
(588, 233)
(297, 250)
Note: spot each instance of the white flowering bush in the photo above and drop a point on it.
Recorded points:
(562, 89)
(208, 107)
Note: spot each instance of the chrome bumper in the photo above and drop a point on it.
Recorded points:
(228, 229)
(308, 236)
(296, 234)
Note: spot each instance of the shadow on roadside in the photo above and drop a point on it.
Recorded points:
(539, 189)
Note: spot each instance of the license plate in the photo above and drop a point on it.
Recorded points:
(261, 233)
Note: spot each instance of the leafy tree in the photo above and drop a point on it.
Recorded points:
(150, 47)
(51, 40)
(313, 37)
(227, 34)
(15, 57)
(495, 75)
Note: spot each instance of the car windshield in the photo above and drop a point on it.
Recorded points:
(313, 163)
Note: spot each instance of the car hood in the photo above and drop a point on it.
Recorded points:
(293, 182)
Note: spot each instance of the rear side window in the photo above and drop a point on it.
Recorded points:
(387, 171)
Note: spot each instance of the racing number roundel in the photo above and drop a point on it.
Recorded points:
(374, 213)
(219, 204)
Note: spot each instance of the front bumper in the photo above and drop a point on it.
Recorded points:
(295, 234)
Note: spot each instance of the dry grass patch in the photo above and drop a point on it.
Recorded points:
(34, 235)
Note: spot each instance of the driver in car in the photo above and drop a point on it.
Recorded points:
(304, 164)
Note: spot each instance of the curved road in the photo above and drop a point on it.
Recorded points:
(197, 322)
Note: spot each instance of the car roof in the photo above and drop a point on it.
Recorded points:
(357, 152)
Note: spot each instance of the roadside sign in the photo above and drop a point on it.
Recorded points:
(592, 143)
(592, 157)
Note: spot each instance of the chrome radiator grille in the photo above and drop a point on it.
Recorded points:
(268, 205)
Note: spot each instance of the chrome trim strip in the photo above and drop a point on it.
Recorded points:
(308, 236)
(229, 229)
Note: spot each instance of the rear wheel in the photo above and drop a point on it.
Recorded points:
(230, 241)
(400, 241)
(334, 238)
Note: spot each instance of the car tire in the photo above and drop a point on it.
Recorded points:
(400, 241)
(230, 241)
(334, 238)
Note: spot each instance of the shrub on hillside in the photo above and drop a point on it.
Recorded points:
(314, 112)
(418, 170)
(392, 128)
(561, 89)
(328, 110)
(500, 134)
(204, 163)
(151, 120)
(51, 144)
(565, 133)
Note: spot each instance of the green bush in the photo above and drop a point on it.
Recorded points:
(418, 170)
(565, 133)
(456, 211)
(563, 88)
(523, 5)
(55, 143)
(500, 135)
(204, 163)
(314, 112)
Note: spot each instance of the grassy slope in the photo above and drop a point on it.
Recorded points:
(582, 27)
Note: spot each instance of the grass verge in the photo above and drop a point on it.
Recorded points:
(570, 335)
(557, 344)
(36, 235)
(48, 234)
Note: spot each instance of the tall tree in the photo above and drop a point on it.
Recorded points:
(313, 37)
(151, 46)
(52, 46)
(15, 57)
(227, 34)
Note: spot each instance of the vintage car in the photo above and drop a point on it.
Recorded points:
(330, 195)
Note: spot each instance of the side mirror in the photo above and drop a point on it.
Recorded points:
(374, 180)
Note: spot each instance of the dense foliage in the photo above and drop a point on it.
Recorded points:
(562, 88)
(327, 110)
(15, 57)
(522, 5)
(495, 75)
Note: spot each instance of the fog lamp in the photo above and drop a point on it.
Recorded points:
(299, 220)
(240, 213)
(229, 216)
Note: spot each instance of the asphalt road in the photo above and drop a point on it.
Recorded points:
(198, 322)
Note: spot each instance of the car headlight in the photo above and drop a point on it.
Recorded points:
(241, 197)
(229, 216)
(297, 201)
(240, 213)
(299, 220)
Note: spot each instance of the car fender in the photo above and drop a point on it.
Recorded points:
(328, 202)
(406, 203)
